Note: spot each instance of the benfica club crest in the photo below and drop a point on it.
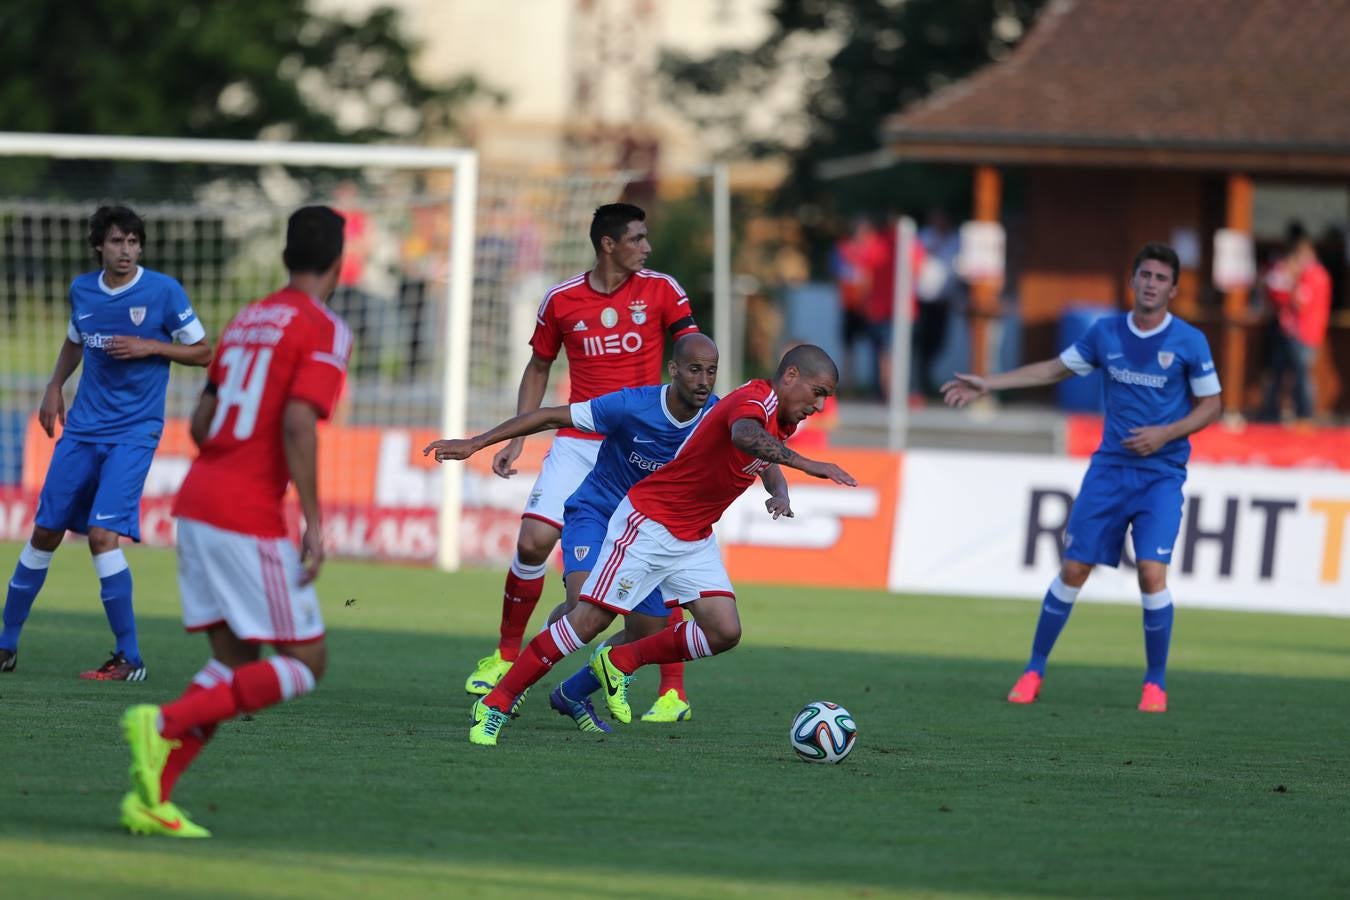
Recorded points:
(638, 309)
(1165, 358)
(137, 315)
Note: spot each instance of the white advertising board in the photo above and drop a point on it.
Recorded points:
(1250, 539)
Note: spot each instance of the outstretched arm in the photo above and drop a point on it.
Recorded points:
(546, 419)
(965, 388)
(750, 437)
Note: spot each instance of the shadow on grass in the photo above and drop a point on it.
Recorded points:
(951, 788)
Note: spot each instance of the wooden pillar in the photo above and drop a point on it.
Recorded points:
(984, 293)
(1235, 301)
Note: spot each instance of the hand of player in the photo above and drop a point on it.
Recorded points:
(311, 553)
(450, 449)
(123, 346)
(832, 472)
(52, 410)
(963, 389)
(502, 460)
(1146, 440)
(779, 506)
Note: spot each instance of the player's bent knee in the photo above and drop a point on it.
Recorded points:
(312, 656)
(535, 542)
(723, 638)
(45, 539)
(1074, 573)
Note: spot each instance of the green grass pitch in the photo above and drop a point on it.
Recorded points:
(369, 788)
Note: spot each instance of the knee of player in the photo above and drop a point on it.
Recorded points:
(1152, 578)
(1074, 574)
(724, 636)
(45, 539)
(533, 548)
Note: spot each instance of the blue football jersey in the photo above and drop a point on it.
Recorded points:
(1150, 379)
(122, 401)
(640, 437)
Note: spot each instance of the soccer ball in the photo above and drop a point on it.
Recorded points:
(823, 732)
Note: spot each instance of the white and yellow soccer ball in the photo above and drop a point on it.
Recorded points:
(823, 732)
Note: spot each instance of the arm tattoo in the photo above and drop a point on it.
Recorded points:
(750, 436)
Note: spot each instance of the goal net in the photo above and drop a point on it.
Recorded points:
(443, 271)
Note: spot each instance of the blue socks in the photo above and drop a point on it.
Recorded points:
(1158, 611)
(1054, 614)
(29, 574)
(115, 578)
(582, 684)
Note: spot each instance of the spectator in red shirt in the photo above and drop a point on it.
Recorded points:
(879, 308)
(1299, 289)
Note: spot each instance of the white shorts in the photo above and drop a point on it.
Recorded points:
(250, 583)
(639, 555)
(566, 465)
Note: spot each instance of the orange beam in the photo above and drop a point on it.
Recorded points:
(1235, 301)
(984, 294)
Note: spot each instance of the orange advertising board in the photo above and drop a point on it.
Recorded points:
(381, 496)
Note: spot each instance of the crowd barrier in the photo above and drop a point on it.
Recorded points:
(1252, 537)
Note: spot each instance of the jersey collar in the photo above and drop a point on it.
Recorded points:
(113, 292)
(665, 388)
(1134, 329)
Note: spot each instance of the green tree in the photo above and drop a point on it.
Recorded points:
(216, 69)
(860, 61)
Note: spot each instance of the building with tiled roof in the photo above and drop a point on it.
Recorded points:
(1123, 121)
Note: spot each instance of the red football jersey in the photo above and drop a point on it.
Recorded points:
(690, 493)
(613, 340)
(287, 346)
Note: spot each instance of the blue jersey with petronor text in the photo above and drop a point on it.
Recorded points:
(641, 436)
(1149, 378)
(122, 401)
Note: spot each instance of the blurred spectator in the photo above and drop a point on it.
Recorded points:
(879, 309)
(855, 255)
(350, 300)
(1299, 289)
(939, 290)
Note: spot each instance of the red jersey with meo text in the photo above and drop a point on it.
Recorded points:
(287, 346)
(614, 340)
(689, 493)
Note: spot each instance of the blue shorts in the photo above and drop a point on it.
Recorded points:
(582, 536)
(1113, 498)
(94, 485)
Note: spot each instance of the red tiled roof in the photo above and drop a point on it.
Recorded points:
(1265, 76)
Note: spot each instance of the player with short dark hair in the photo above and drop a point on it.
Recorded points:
(127, 323)
(280, 369)
(660, 536)
(1160, 388)
(643, 429)
(613, 322)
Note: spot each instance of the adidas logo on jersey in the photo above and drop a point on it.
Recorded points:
(580, 326)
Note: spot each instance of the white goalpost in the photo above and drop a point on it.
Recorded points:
(446, 260)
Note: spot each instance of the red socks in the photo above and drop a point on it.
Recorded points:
(540, 655)
(519, 599)
(672, 673)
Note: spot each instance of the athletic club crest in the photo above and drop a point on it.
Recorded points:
(610, 317)
(638, 309)
(581, 552)
(137, 315)
(1165, 358)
